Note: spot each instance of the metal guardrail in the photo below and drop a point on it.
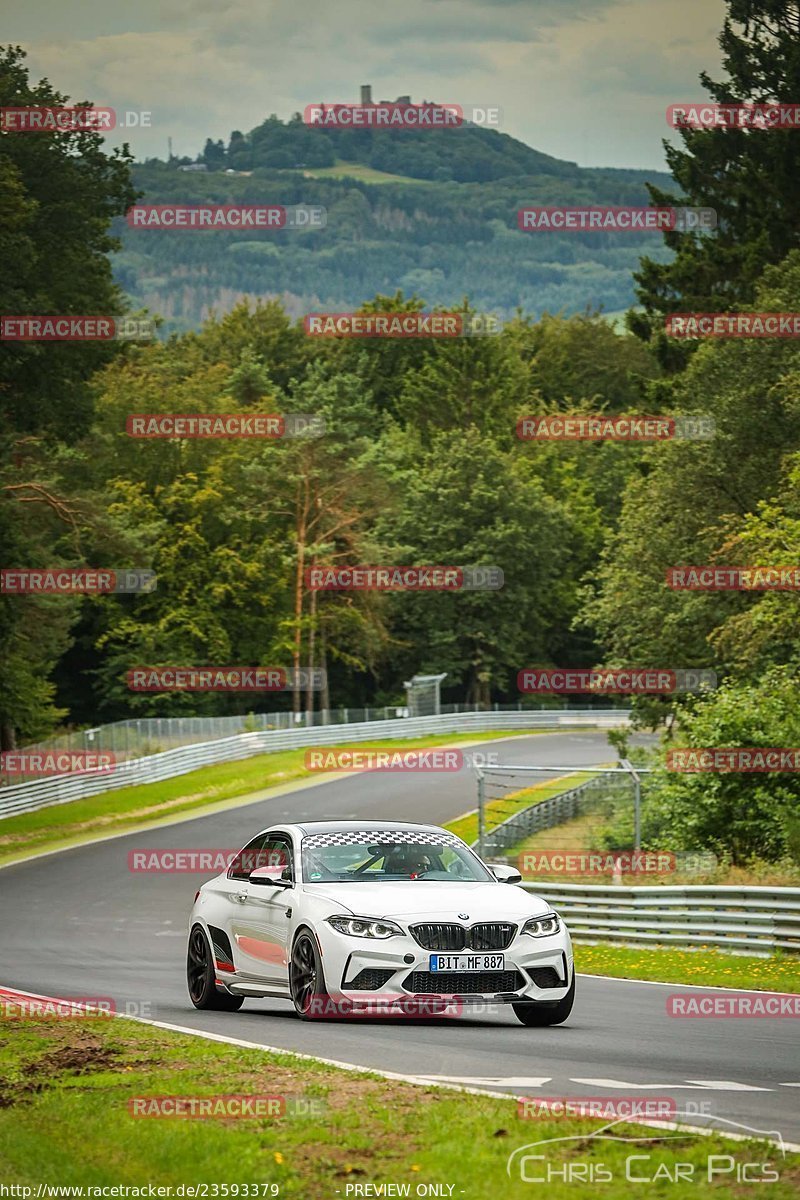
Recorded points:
(751, 920)
(40, 793)
(138, 737)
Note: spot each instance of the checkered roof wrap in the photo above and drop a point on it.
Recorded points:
(379, 837)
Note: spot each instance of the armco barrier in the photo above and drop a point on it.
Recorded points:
(39, 793)
(751, 920)
(543, 814)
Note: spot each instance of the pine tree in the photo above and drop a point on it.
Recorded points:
(748, 176)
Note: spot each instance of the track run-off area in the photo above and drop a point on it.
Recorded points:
(79, 923)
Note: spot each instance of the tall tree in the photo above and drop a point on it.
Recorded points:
(739, 816)
(748, 176)
(59, 192)
(692, 497)
(466, 502)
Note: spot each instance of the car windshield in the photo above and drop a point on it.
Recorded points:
(373, 858)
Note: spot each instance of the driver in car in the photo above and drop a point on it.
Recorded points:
(407, 860)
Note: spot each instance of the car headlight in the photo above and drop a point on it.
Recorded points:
(367, 927)
(543, 926)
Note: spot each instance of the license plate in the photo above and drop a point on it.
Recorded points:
(467, 962)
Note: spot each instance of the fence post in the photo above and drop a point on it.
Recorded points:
(637, 813)
(481, 813)
(637, 803)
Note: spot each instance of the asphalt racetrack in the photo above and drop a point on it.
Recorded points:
(79, 923)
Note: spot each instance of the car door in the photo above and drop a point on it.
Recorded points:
(225, 897)
(260, 922)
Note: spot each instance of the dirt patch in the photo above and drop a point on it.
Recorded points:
(337, 1093)
(341, 1162)
(74, 1060)
(84, 1056)
(350, 1092)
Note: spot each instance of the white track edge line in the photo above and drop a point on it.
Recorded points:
(700, 987)
(416, 1080)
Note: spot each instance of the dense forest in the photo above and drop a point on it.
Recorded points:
(433, 214)
(420, 462)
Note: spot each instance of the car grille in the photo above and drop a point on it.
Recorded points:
(458, 983)
(439, 937)
(369, 979)
(546, 977)
(495, 935)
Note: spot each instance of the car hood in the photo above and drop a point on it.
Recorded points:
(433, 901)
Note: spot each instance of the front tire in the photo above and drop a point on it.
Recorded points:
(538, 1013)
(306, 978)
(200, 976)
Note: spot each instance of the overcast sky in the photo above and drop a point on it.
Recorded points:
(585, 80)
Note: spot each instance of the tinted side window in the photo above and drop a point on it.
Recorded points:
(277, 851)
(247, 859)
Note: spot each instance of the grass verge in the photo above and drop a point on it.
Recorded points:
(65, 1087)
(503, 807)
(704, 967)
(588, 832)
(147, 804)
(350, 170)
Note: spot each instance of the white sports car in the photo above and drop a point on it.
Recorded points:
(339, 915)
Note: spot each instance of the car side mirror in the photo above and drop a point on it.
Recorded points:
(503, 873)
(274, 876)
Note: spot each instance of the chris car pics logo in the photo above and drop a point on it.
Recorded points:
(652, 1158)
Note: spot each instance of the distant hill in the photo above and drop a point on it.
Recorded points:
(431, 212)
(465, 154)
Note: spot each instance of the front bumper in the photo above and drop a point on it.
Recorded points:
(361, 971)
